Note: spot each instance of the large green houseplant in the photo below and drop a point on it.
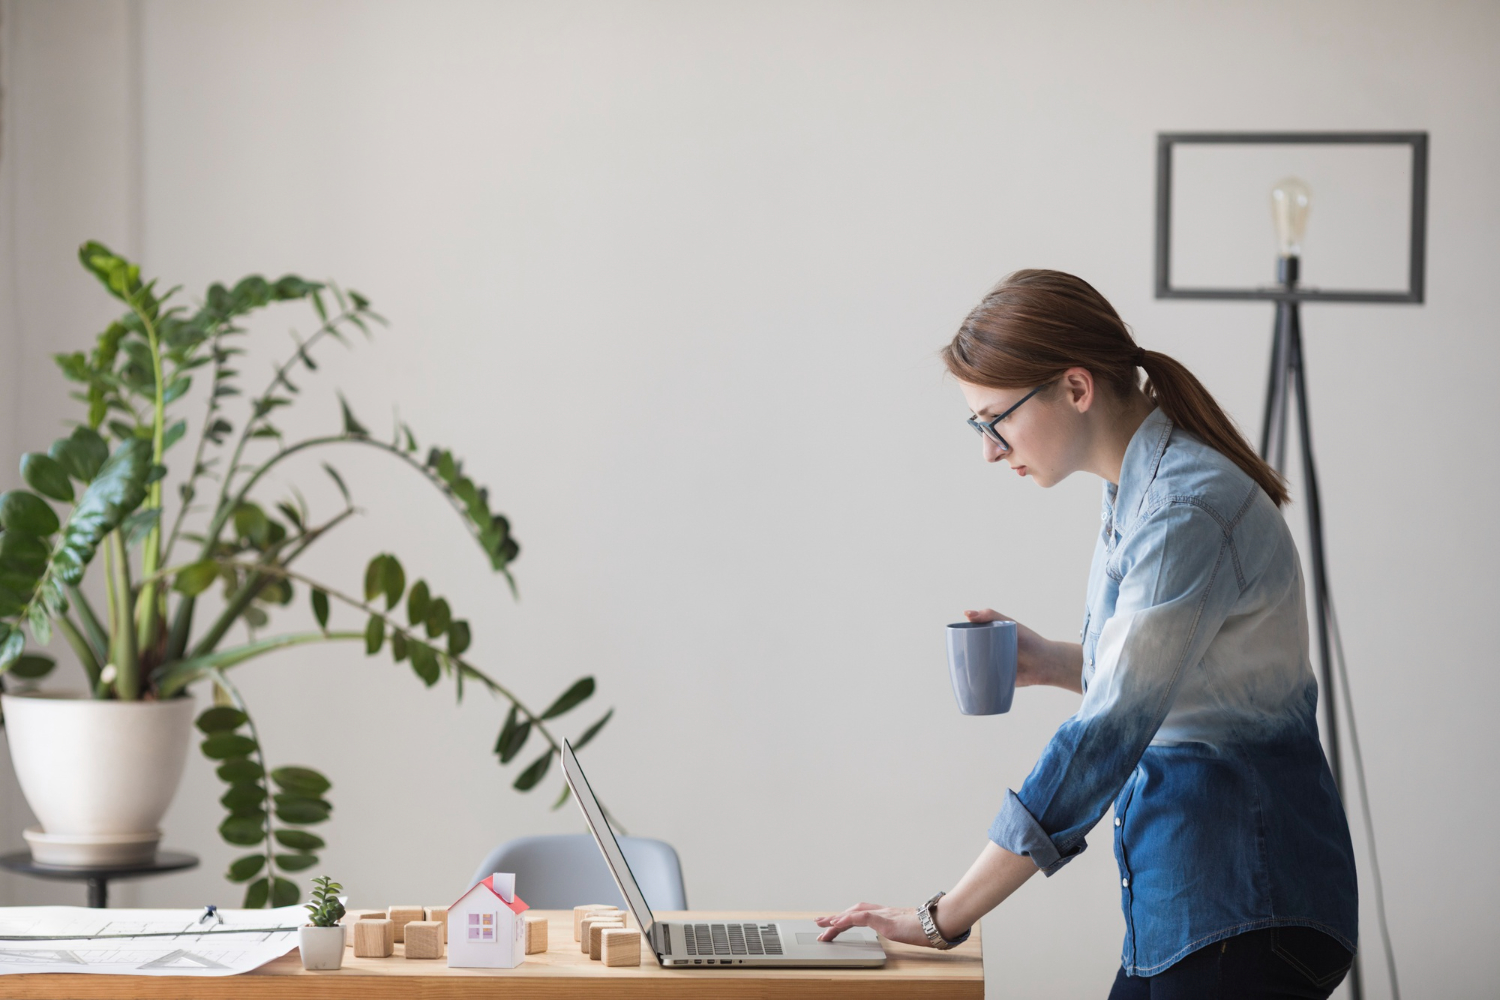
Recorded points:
(153, 640)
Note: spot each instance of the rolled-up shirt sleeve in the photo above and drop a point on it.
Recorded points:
(1177, 584)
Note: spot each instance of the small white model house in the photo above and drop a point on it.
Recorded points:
(485, 929)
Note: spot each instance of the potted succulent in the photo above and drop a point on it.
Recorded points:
(321, 939)
(99, 771)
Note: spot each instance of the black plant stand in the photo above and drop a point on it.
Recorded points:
(98, 878)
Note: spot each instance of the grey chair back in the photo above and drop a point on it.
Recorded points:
(564, 871)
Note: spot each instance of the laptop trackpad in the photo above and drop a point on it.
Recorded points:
(857, 938)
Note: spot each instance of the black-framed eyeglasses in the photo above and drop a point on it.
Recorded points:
(987, 427)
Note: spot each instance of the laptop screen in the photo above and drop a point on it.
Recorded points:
(605, 837)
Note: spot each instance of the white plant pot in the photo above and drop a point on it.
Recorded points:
(322, 947)
(99, 775)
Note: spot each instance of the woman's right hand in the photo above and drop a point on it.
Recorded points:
(1036, 659)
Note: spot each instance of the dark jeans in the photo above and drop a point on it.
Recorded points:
(1272, 963)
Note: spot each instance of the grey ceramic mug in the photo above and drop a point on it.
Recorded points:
(982, 666)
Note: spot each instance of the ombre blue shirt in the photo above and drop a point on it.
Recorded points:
(1198, 718)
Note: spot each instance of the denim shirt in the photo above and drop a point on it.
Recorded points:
(1199, 718)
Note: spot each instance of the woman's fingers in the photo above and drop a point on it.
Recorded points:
(987, 615)
(894, 923)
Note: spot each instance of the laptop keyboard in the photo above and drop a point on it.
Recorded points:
(731, 939)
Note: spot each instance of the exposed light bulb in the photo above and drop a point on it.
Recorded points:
(1290, 199)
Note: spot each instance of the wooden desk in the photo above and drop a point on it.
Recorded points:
(562, 972)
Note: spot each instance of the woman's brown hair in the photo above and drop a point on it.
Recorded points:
(1035, 325)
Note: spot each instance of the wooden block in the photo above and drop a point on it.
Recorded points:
(536, 933)
(424, 939)
(596, 935)
(440, 914)
(620, 946)
(588, 923)
(403, 915)
(352, 917)
(612, 916)
(374, 938)
(579, 912)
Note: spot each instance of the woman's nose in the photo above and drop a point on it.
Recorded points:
(992, 451)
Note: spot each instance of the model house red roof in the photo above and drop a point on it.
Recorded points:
(517, 905)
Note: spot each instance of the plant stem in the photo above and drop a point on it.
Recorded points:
(221, 508)
(122, 649)
(213, 406)
(150, 616)
(81, 648)
(260, 756)
(291, 450)
(257, 582)
(98, 638)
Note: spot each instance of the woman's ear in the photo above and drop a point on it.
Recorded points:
(1078, 388)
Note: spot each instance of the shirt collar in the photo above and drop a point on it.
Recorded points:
(1138, 470)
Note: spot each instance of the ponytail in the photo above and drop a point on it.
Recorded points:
(1190, 406)
(1035, 325)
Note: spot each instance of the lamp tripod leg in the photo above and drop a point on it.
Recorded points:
(1289, 371)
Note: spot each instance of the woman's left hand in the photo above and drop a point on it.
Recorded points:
(897, 923)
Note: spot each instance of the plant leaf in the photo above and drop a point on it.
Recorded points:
(195, 579)
(352, 427)
(222, 718)
(113, 495)
(398, 647)
(244, 831)
(416, 602)
(138, 525)
(243, 800)
(300, 781)
(295, 862)
(320, 607)
(257, 894)
(10, 649)
(424, 661)
(338, 481)
(438, 618)
(373, 571)
(221, 746)
(284, 892)
(299, 840)
(534, 772)
(293, 809)
(570, 698)
(21, 510)
(43, 474)
(458, 637)
(243, 869)
(374, 634)
(392, 581)
(31, 666)
(591, 731)
(512, 736)
(566, 791)
(238, 770)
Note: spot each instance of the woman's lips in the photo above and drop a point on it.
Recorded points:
(1020, 470)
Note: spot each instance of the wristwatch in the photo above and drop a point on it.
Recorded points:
(925, 916)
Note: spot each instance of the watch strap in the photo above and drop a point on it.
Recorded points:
(926, 917)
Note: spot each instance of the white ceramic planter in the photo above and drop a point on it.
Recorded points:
(99, 775)
(322, 947)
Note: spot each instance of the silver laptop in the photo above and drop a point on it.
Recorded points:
(717, 943)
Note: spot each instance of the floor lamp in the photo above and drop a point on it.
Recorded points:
(1290, 200)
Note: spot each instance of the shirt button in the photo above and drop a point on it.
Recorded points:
(1125, 883)
(1117, 821)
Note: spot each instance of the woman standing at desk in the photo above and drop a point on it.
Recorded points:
(1199, 711)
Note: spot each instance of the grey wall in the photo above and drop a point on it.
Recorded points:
(671, 277)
